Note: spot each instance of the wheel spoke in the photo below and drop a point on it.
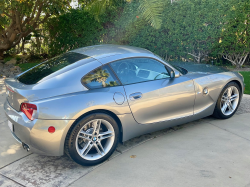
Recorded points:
(230, 106)
(87, 151)
(86, 148)
(97, 125)
(229, 92)
(232, 98)
(98, 150)
(100, 145)
(86, 136)
(224, 107)
(107, 134)
(85, 133)
(224, 98)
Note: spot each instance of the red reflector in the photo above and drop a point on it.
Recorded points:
(8, 88)
(51, 129)
(29, 110)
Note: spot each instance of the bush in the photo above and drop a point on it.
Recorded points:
(77, 28)
(189, 30)
(7, 59)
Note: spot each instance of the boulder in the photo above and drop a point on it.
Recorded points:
(9, 70)
(11, 62)
(13, 69)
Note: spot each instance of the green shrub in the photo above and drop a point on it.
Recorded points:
(77, 28)
(18, 58)
(7, 59)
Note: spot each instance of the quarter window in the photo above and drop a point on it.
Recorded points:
(134, 70)
(100, 78)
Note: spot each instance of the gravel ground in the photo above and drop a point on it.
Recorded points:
(244, 105)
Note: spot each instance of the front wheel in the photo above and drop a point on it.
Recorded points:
(228, 101)
(93, 139)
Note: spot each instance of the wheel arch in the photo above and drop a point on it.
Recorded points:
(113, 115)
(239, 84)
(232, 80)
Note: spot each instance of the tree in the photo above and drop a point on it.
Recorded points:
(198, 25)
(189, 30)
(21, 17)
(99, 75)
(151, 10)
(83, 28)
(234, 44)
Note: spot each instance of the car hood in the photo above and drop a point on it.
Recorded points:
(194, 68)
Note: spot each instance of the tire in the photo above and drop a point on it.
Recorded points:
(84, 139)
(222, 109)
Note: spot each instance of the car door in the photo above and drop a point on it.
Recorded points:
(152, 95)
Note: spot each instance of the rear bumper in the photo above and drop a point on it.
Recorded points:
(35, 133)
(16, 138)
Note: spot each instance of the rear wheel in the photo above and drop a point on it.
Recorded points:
(228, 101)
(92, 139)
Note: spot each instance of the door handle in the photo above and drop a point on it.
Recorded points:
(135, 96)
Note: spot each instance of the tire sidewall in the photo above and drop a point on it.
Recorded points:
(78, 126)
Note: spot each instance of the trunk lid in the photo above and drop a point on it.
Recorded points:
(14, 97)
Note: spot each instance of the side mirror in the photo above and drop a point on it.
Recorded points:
(172, 74)
(177, 74)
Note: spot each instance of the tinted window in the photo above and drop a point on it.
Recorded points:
(134, 70)
(100, 78)
(48, 67)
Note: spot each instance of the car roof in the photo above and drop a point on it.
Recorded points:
(105, 50)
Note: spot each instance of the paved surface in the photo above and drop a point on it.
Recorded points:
(206, 152)
(10, 150)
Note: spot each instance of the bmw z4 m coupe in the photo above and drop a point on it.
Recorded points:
(85, 101)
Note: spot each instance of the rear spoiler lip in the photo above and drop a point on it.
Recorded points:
(8, 88)
(15, 86)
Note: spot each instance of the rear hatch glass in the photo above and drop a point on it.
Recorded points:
(50, 66)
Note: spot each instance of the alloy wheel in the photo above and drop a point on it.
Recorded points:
(229, 100)
(95, 139)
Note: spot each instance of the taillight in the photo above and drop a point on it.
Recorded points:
(29, 110)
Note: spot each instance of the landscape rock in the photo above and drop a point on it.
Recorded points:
(22, 61)
(9, 70)
(11, 62)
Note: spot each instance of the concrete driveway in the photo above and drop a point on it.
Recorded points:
(206, 152)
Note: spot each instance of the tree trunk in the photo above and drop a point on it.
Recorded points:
(1, 55)
(103, 84)
(238, 66)
(38, 45)
(23, 43)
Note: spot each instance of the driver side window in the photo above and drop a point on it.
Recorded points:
(135, 70)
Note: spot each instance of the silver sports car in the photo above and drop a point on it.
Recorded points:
(85, 101)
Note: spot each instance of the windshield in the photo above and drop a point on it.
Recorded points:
(180, 69)
(48, 67)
